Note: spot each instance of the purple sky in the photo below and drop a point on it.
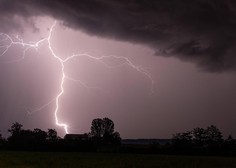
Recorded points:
(191, 60)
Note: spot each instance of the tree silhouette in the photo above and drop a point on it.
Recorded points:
(103, 130)
(199, 140)
(37, 139)
(230, 140)
(108, 126)
(199, 137)
(214, 138)
(213, 134)
(40, 136)
(52, 135)
(209, 137)
(97, 128)
(15, 131)
(230, 143)
(116, 139)
(186, 137)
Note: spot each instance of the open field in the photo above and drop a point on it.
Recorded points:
(101, 160)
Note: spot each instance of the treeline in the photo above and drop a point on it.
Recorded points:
(203, 141)
(198, 141)
(103, 138)
(102, 135)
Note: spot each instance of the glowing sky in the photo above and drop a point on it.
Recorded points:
(195, 93)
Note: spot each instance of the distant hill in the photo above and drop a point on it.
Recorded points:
(144, 141)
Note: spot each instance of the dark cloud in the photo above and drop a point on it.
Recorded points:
(201, 31)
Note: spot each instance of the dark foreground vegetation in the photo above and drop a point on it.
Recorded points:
(105, 160)
(199, 141)
(103, 138)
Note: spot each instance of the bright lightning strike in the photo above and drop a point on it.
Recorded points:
(5, 38)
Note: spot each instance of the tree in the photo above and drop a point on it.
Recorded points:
(15, 129)
(214, 138)
(230, 140)
(97, 128)
(108, 126)
(185, 137)
(213, 134)
(199, 137)
(52, 135)
(103, 129)
(230, 143)
(116, 138)
(40, 136)
(182, 141)
(199, 140)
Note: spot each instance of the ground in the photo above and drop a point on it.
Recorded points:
(107, 160)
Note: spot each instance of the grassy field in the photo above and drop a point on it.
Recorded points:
(99, 160)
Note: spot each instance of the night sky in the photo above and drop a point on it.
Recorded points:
(188, 47)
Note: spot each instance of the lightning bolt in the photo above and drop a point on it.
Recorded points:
(4, 38)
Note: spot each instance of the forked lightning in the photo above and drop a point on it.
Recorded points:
(6, 42)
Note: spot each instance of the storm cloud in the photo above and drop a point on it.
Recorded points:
(200, 31)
